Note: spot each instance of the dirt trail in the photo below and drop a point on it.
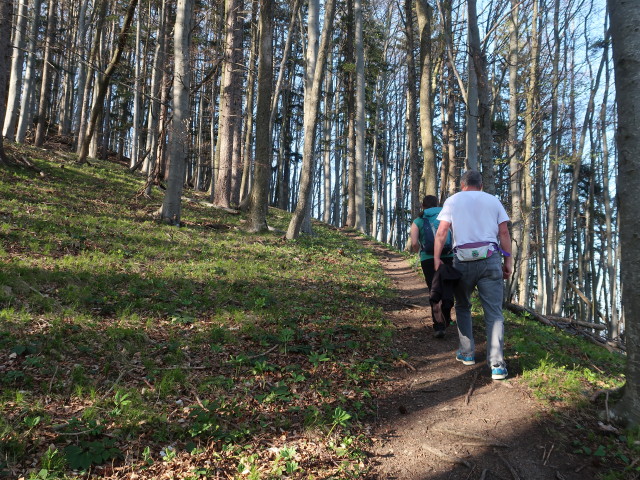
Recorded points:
(439, 419)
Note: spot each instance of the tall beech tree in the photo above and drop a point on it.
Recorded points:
(230, 105)
(625, 18)
(316, 59)
(103, 82)
(180, 140)
(259, 202)
(17, 59)
(6, 11)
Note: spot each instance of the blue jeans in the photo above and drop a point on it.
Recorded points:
(487, 276)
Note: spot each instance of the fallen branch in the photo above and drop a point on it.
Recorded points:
(406, 364)
(520, 310)
(546, 460)
(509, 466)
(573, 321)
(446, 457)
(480, 439)
(584, 298)
(484, 444)
(264, 353)
(601, 342)
(470, 391)
(560, 322)
(595, 395)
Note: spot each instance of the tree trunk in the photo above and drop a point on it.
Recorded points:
(449, 161)
(412, 115)
(484, 95)
(103, 83)
(326, 164)
(552, 236)
(472, 117)
(228, 108)
(137, 85)
(6, 12)
(179, 145)
(350, 108)
(247, 150)
(45, 86)
(24, 120)
(361, 166)
(429, 170)
(17, 59)
(517, 229)
(625, 18)
(310, 122)
(153, 117)
(260, 191)
(527, 211)
(612, 275)
(573, 200)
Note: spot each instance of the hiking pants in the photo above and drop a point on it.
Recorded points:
(486, 275)
(441, 316)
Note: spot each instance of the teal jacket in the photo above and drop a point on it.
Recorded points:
(432, 215)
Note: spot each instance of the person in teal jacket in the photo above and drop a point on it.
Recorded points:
(430, 213)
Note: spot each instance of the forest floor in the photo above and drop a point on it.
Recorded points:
(439, 419)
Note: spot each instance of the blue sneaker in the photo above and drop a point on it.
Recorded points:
(499, 371)
(465, 359)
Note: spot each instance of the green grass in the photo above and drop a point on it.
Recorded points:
(564, 372)
(128, 345)
(139, 345)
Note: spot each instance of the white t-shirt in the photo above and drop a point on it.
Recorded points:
(474, 216)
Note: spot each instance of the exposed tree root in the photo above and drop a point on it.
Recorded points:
(446, 457)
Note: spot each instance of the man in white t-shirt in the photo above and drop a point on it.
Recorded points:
(480, 234)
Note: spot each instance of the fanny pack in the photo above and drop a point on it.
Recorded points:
(470, 252)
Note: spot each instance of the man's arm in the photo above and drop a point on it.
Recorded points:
(505, 245)
(415, 238)
(440, 238)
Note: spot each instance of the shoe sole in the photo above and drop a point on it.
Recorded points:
(499, 376)
(466, 362)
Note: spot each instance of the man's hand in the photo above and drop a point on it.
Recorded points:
(441, 236)
(507, 268)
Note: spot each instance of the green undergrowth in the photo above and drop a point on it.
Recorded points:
(130, 346)
(576, 382)
(205, 351)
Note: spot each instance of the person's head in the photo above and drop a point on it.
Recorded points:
(429, 202)
(471, 180)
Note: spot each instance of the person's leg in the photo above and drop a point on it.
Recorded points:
(463, 307)
(447, 306)
(436, 312)
(428, 271)
(490, 291)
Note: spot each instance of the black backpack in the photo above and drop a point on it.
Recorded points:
(428, 237)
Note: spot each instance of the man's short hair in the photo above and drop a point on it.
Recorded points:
(429, 201)
(471, 178)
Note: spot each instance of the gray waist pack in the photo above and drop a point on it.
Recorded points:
(470, 252)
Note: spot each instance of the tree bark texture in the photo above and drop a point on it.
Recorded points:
(308, 159)
(260, 190)
(179, 144)
(17, 59)
(625, 18)
(429, 170)
(103, 83)
(6, 12)
(228, 105)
